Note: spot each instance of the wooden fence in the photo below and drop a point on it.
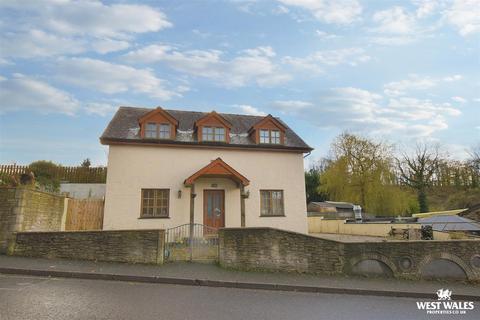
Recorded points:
(84, 214)
(67, 174)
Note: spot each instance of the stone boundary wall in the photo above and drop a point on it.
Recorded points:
(279, 250)
(134, 246)
(25, 209)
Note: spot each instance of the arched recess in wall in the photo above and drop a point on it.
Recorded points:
(372, 265)
(444, 266)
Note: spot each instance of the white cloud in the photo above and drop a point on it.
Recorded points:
(415, 83)
(394, 21)
(393, 40)
(291, 106)
(365, 111)
(397, 26)
(98, 108)
(91, 17)
(25, 93)
(112, 78)
(45, 28)
(320, 59)
(325, 35)
(248, 109)
(108, 45)
(465, 16)
(37, 43)
(426, 8)
(330, 11)
(455, 77)
(459, 99)
(250, 66)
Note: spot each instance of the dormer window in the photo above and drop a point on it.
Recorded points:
(264, 136)
(268, 131)
(158, 124)
(151, 130)
(212, 127)
(269, 136)
(157, 130)
(213, 134)
(275, 136)
(164, 131)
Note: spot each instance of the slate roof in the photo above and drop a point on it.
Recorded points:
(450, 223)
(124, 127)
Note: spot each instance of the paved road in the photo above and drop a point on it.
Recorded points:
(38, 298)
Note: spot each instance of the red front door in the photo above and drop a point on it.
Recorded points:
(214, 208)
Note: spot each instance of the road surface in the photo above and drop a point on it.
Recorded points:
(23, 297)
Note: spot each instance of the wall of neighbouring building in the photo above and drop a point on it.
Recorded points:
(134, 246)
(24, 209)
(131, 168)
(84, 190)
(279, 250)
(321, 225)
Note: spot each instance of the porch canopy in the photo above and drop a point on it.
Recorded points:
(218, 169)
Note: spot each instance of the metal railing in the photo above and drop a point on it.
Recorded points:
(191, 242)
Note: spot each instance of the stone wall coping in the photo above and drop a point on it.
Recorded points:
(88, 231)
(34, 190)
(279, 230)
(354, 243)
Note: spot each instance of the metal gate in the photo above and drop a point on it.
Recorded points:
(191, 242)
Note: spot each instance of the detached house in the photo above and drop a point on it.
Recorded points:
(171, 167)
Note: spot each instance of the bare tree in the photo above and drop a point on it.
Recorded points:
(474, 164)
(417, 170)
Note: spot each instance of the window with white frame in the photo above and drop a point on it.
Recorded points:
(264, 136)
(164, 131)
(275, 136)
(157, 130)
(151, 130)
(216, 134)
(269, 136)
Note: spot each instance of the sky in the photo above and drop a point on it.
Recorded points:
(399, 71)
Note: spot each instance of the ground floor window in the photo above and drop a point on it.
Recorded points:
(271, 203)
(155, 203)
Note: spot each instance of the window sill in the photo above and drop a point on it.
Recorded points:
(154, 218)
(272, 215)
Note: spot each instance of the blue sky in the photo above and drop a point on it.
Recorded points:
(402, 71)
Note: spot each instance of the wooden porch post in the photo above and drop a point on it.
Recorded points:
(192, 218)
(242, 205)
(192, 204)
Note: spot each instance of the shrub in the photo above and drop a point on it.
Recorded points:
(45, 175)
